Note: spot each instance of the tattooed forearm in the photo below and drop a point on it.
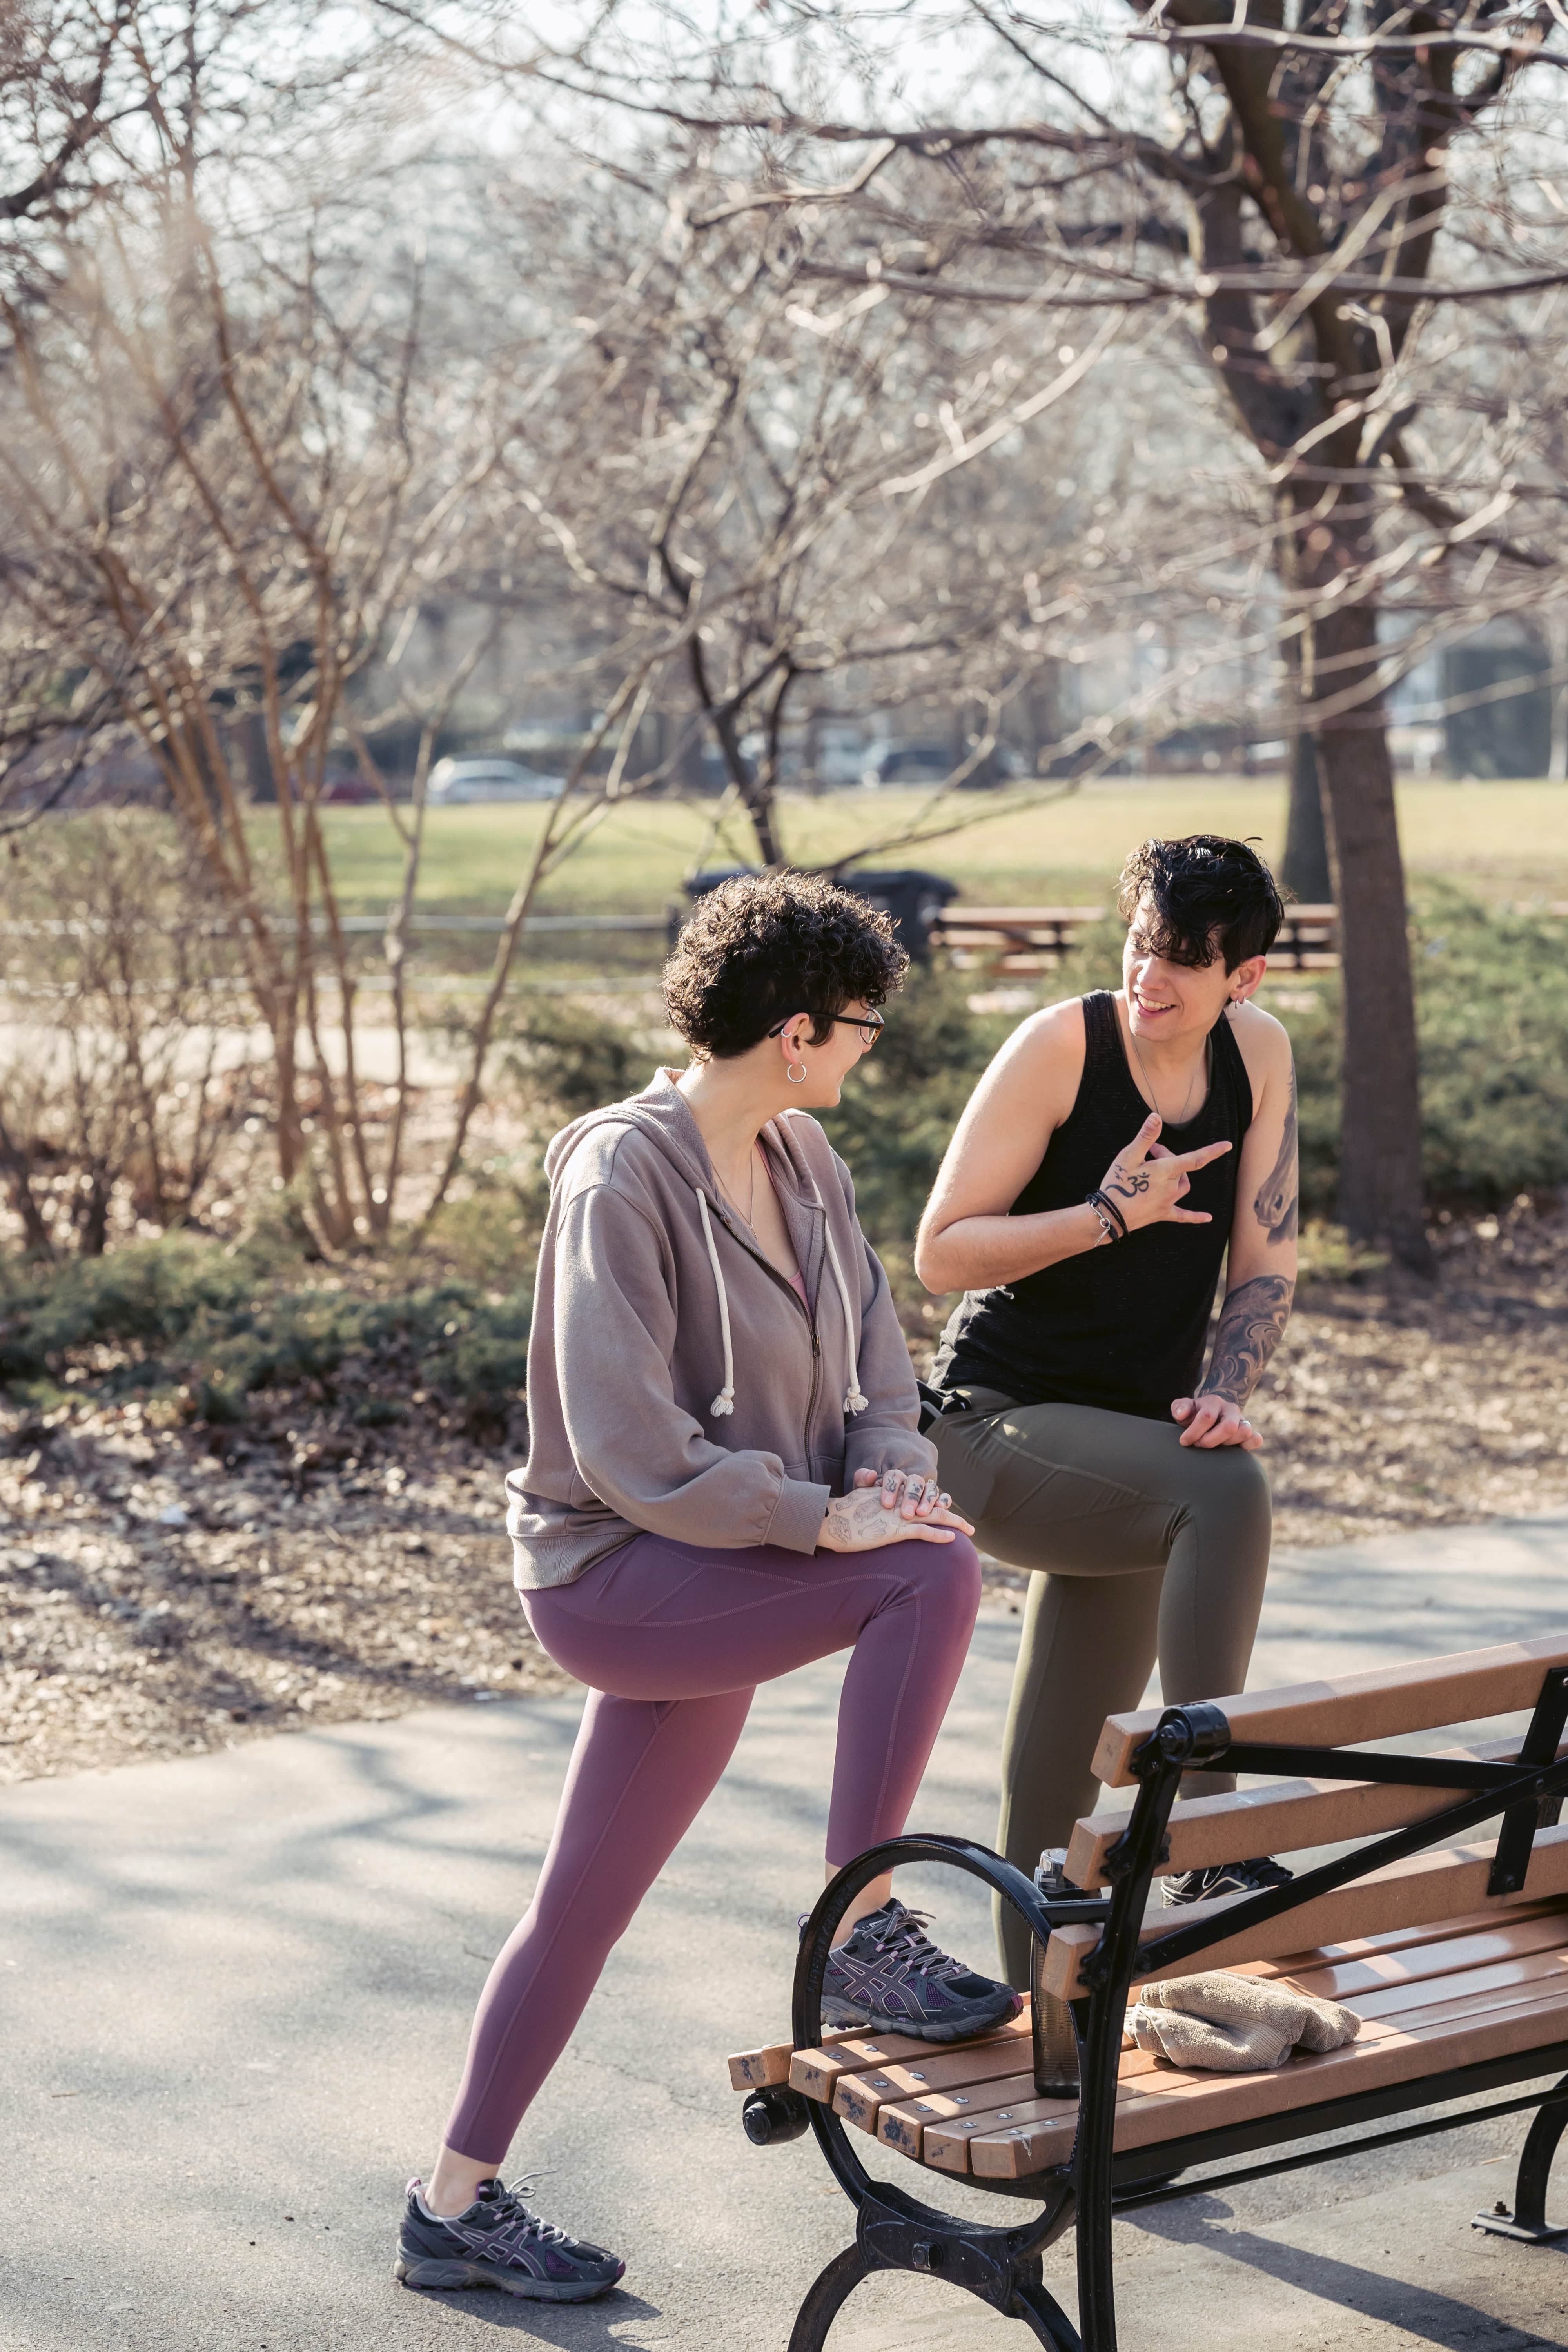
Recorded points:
(1251, 1323)
(1276, 1205)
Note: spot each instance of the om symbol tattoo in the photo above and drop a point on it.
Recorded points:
(1131, 1182)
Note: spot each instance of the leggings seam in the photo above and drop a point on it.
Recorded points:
(890, 1743)
(1115, 1488)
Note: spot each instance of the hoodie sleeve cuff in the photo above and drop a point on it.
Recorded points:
(798, 1514)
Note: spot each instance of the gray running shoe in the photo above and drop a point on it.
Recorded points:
(1253, 1877)
(499, 2242)
(889, 1975)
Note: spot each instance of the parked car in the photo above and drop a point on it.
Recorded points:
(928, 764)
(454, 782)
(348, 790)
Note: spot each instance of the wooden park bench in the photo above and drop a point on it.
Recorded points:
(1449, 1944)
(1023, 940)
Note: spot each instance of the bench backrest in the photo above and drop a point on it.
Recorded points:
(1381, 1703)
(1285, 1816)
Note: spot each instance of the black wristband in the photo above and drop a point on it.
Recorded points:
(1102, 1200)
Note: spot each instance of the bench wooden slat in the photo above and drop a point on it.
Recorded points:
(1357, 1981)
(1448, 1995)
(1419, 1984)
(1280, 1819)
(756, 2070)
(1165, 2104)
(947, 2140)
(1424, 1887)
(941, 2139)
(937, 2131)
(1407, 1939)
(1380, 1703)
(859, 2097)
(817, 2073)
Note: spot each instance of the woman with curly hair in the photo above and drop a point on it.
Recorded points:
(726, 1480)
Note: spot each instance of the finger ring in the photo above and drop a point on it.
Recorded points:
(944, 1500)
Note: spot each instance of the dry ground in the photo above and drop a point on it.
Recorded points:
(164, 1588)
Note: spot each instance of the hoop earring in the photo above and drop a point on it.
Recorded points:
(789, 1074)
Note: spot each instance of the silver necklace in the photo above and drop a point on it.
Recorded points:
(747, 1215)
(1203, 1063)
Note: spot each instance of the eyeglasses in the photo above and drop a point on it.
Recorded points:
(870, 1028)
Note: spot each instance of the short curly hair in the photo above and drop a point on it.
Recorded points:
(1207, 894)
(764, 946)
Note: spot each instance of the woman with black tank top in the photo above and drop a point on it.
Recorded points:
(1118, 1149)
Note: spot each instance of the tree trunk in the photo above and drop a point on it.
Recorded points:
(1380, 1128)
(1304, 869)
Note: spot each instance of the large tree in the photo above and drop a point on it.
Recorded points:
(1308, 206)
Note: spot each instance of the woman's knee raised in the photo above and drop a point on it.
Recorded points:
(1241, 1493)
(943, 1578)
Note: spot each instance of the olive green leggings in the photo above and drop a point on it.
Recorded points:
(1142, 1548)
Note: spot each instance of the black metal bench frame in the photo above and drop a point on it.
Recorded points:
(1001, 2265)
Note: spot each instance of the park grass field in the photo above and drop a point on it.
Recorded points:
(1505, 841)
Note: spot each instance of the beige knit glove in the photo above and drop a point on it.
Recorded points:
(1235, 2025)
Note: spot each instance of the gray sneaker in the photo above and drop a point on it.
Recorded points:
(889, 1975)
(1254, 1878)
(499, 2242)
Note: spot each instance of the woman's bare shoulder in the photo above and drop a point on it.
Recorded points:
(1050, 1043)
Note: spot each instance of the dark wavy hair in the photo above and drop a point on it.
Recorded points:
(763, 946)
(1209, 896)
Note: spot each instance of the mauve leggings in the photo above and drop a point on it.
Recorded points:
(671, 1640)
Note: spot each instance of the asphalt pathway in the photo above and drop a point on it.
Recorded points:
(233, 1992)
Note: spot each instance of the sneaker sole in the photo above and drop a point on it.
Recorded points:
(837, 2015)
(429, 2271)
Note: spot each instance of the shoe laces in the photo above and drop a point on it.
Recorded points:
(508, 2206)
(902, 1938)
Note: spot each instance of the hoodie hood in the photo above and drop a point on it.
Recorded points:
(661, 1113)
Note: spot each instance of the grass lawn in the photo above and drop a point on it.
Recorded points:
(1505, 840)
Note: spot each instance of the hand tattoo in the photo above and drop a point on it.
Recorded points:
(1251, 1323)
(1128, 1181)
(1276, 1205)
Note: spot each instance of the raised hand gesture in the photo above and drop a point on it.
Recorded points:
(1146, 1182)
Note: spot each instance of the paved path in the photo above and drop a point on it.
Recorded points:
(233, 1992)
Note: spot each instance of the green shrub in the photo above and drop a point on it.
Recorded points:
(222, 1324)
(566, 1060)
(1491, 1001)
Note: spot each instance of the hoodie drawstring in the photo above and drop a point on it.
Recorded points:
(854, 1401)
(725, 1400)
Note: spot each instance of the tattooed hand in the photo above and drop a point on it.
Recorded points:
(869, 1517)
(1251, 1323)
(1146, 1180)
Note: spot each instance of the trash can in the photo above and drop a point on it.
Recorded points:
(913, 897)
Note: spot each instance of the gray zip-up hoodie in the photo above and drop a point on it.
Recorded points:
(677, 1384)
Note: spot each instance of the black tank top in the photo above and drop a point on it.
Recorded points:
(1121, 1327)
